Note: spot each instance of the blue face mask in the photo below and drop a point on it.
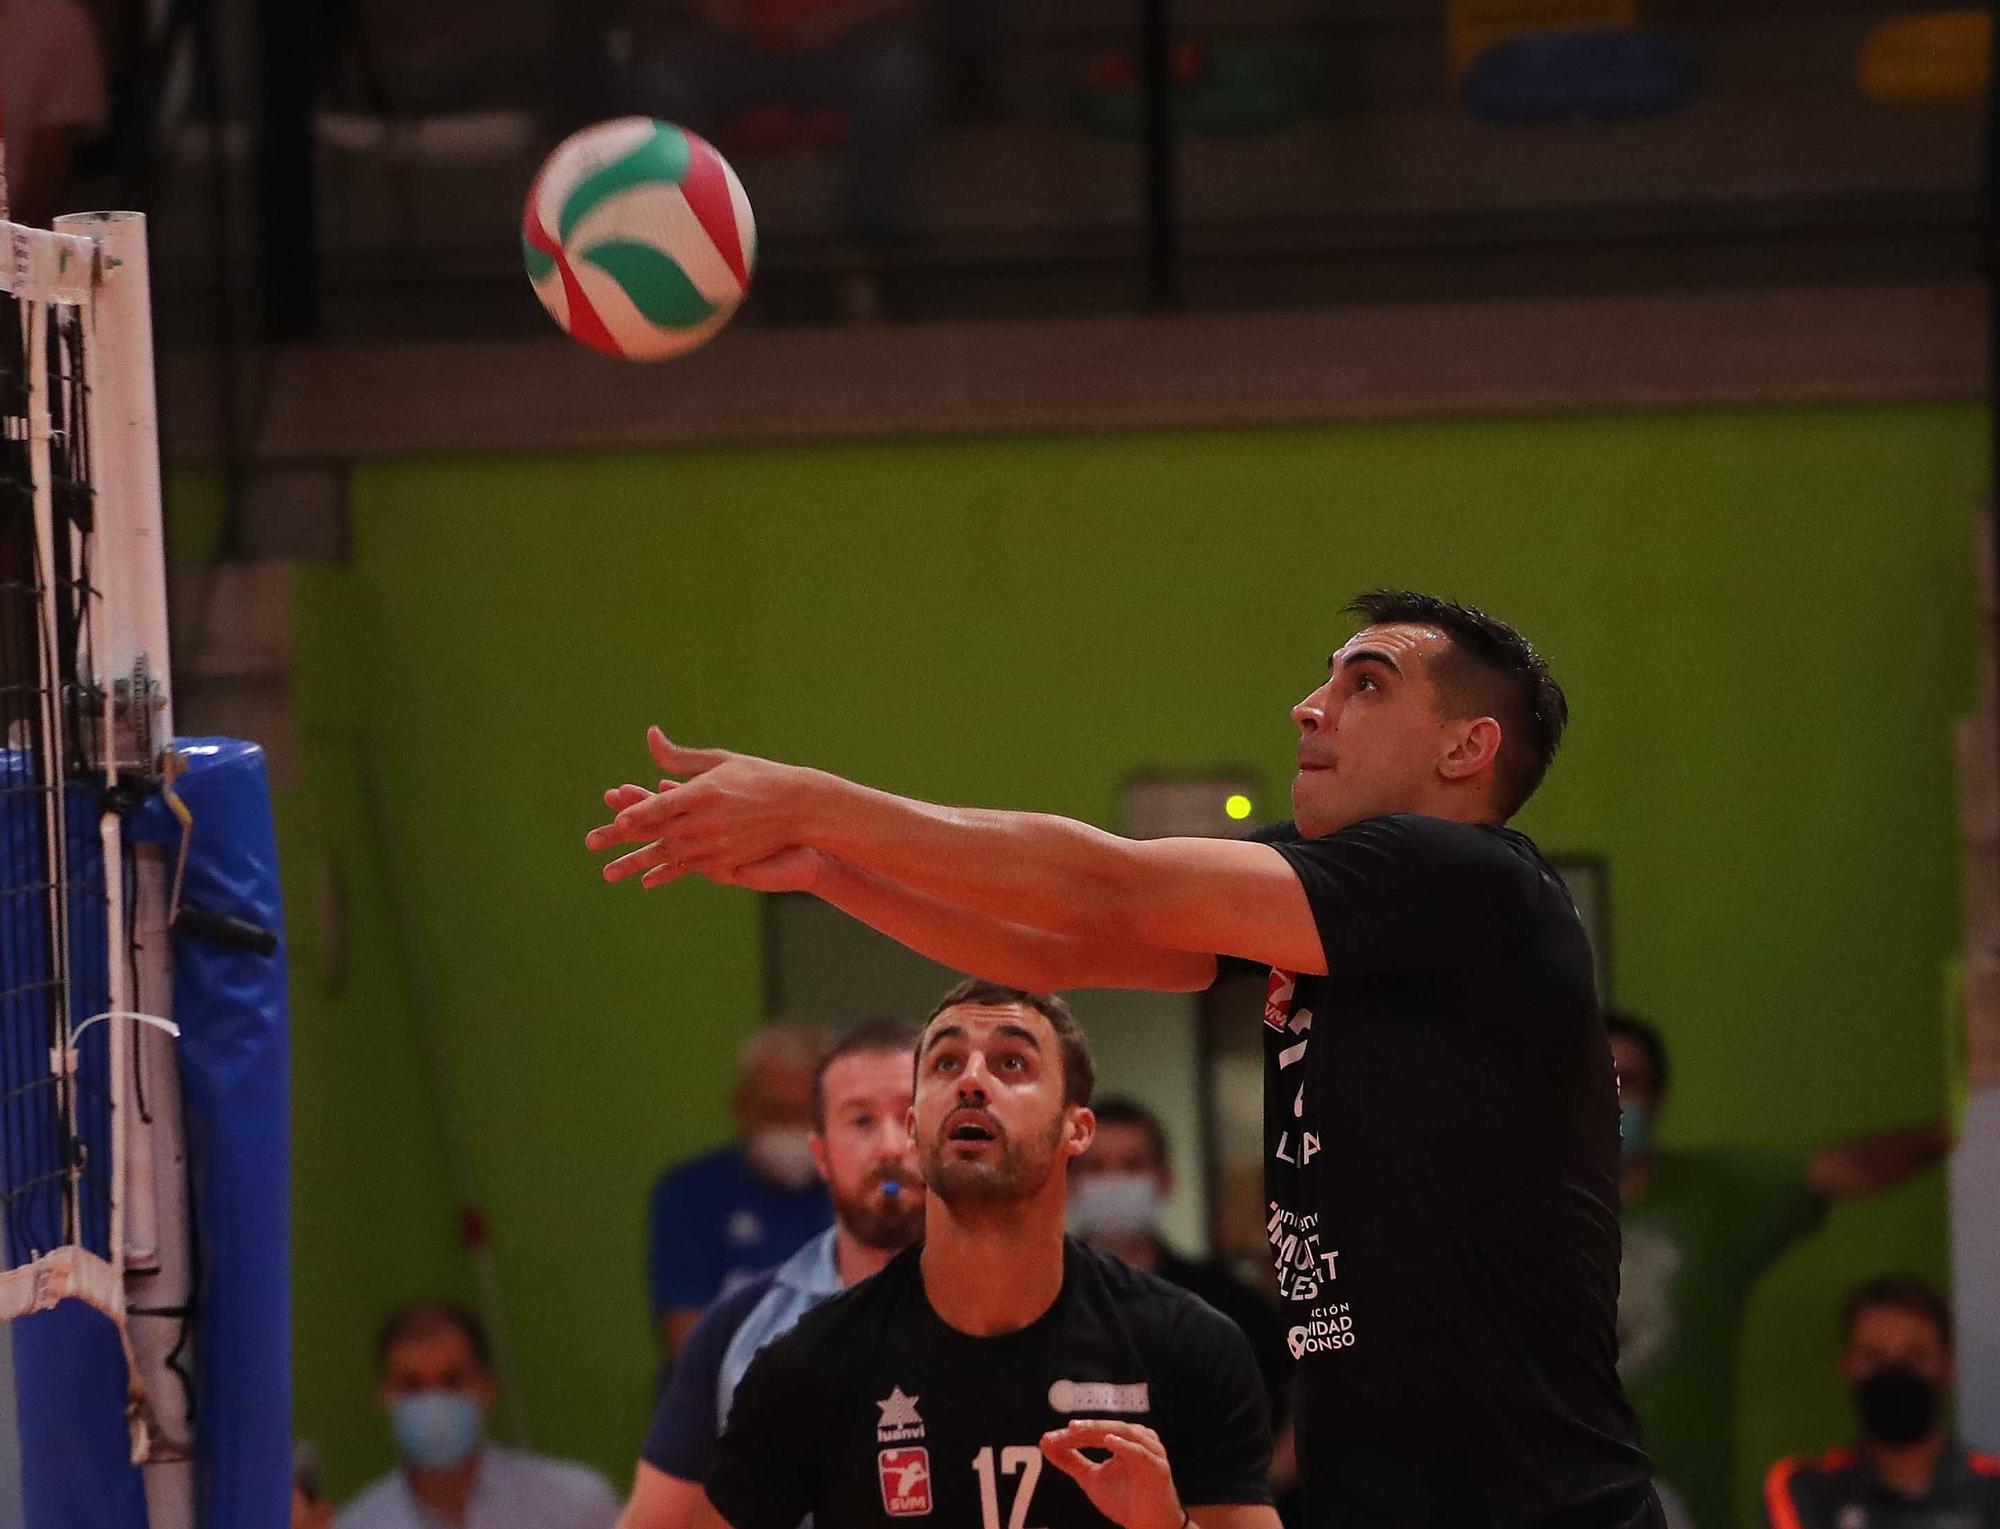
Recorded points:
(1635, 1132)
(435, 1430)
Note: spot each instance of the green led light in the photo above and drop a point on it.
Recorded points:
(1237, 805)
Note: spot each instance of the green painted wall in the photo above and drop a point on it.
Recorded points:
(1763, 620)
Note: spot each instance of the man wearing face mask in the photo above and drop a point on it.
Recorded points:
(1906, 1472)
(435, 1381)
(1701, 1226)
(861, 1097)
(1118, 1193)
(717, 1220)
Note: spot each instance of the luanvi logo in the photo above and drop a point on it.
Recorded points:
(899, 1420)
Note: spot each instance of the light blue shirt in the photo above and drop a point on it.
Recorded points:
(513, 1490)
(801, 1282)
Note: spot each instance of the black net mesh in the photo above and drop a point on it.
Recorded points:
(55, 1150)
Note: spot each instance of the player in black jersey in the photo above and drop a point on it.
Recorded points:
(943, 1387)
(1440, 1112)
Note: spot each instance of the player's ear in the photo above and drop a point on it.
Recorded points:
(1474, 749)
(1082, 1130)
(910, 1126)
(817, 1141)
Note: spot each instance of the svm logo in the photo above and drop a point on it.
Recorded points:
(1278, 993)
(906, 1481)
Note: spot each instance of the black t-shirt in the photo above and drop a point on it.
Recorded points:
(873, 1410)
(1441, 1148)
(1254, 1314)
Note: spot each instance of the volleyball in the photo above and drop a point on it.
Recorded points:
(638, 238)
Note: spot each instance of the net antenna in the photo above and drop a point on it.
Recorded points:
(93, 1198)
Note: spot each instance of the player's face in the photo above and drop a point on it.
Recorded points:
(436, 1359)
(774, 1095)
(1636, 1086)
(989, 1119)
(1370, 738)
(865, 1144)
(1896, 1336)
(1122, 1149)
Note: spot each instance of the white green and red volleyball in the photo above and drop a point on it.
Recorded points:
(638, 238)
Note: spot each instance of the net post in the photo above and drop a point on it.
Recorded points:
(133, 561)
(131, 638)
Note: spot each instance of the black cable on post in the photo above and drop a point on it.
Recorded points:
(1156, 101)
(285, 191)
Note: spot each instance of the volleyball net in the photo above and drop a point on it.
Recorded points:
(143, 1154)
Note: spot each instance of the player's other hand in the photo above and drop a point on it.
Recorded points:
(728, 812)
(790, 870)
(1134, 1487)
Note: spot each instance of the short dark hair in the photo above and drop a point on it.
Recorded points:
(1646, 1037)
(1902, 1292)
(1492, 671)
(418, 1319)
(1079, 1071)
(873, 1037)
(1123, 1110)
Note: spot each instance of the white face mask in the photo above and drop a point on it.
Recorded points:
(782, 1156)
(1116, 1205)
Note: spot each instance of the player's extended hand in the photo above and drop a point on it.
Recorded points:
(1135, 1487)
(796, 869)
(726, 813)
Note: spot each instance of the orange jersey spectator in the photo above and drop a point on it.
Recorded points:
(1906, 1471)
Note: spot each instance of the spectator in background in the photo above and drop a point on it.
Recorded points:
(435, 1381)
(861, 1144)
(311, 1507)
(1118, 1193)
(51, 100)
(864, 58)
(1906, 1472)
(747, 1207)
(1700, 1226)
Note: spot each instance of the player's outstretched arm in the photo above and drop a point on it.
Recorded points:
(994, 948)
(1208, 896)
(1003, 951)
